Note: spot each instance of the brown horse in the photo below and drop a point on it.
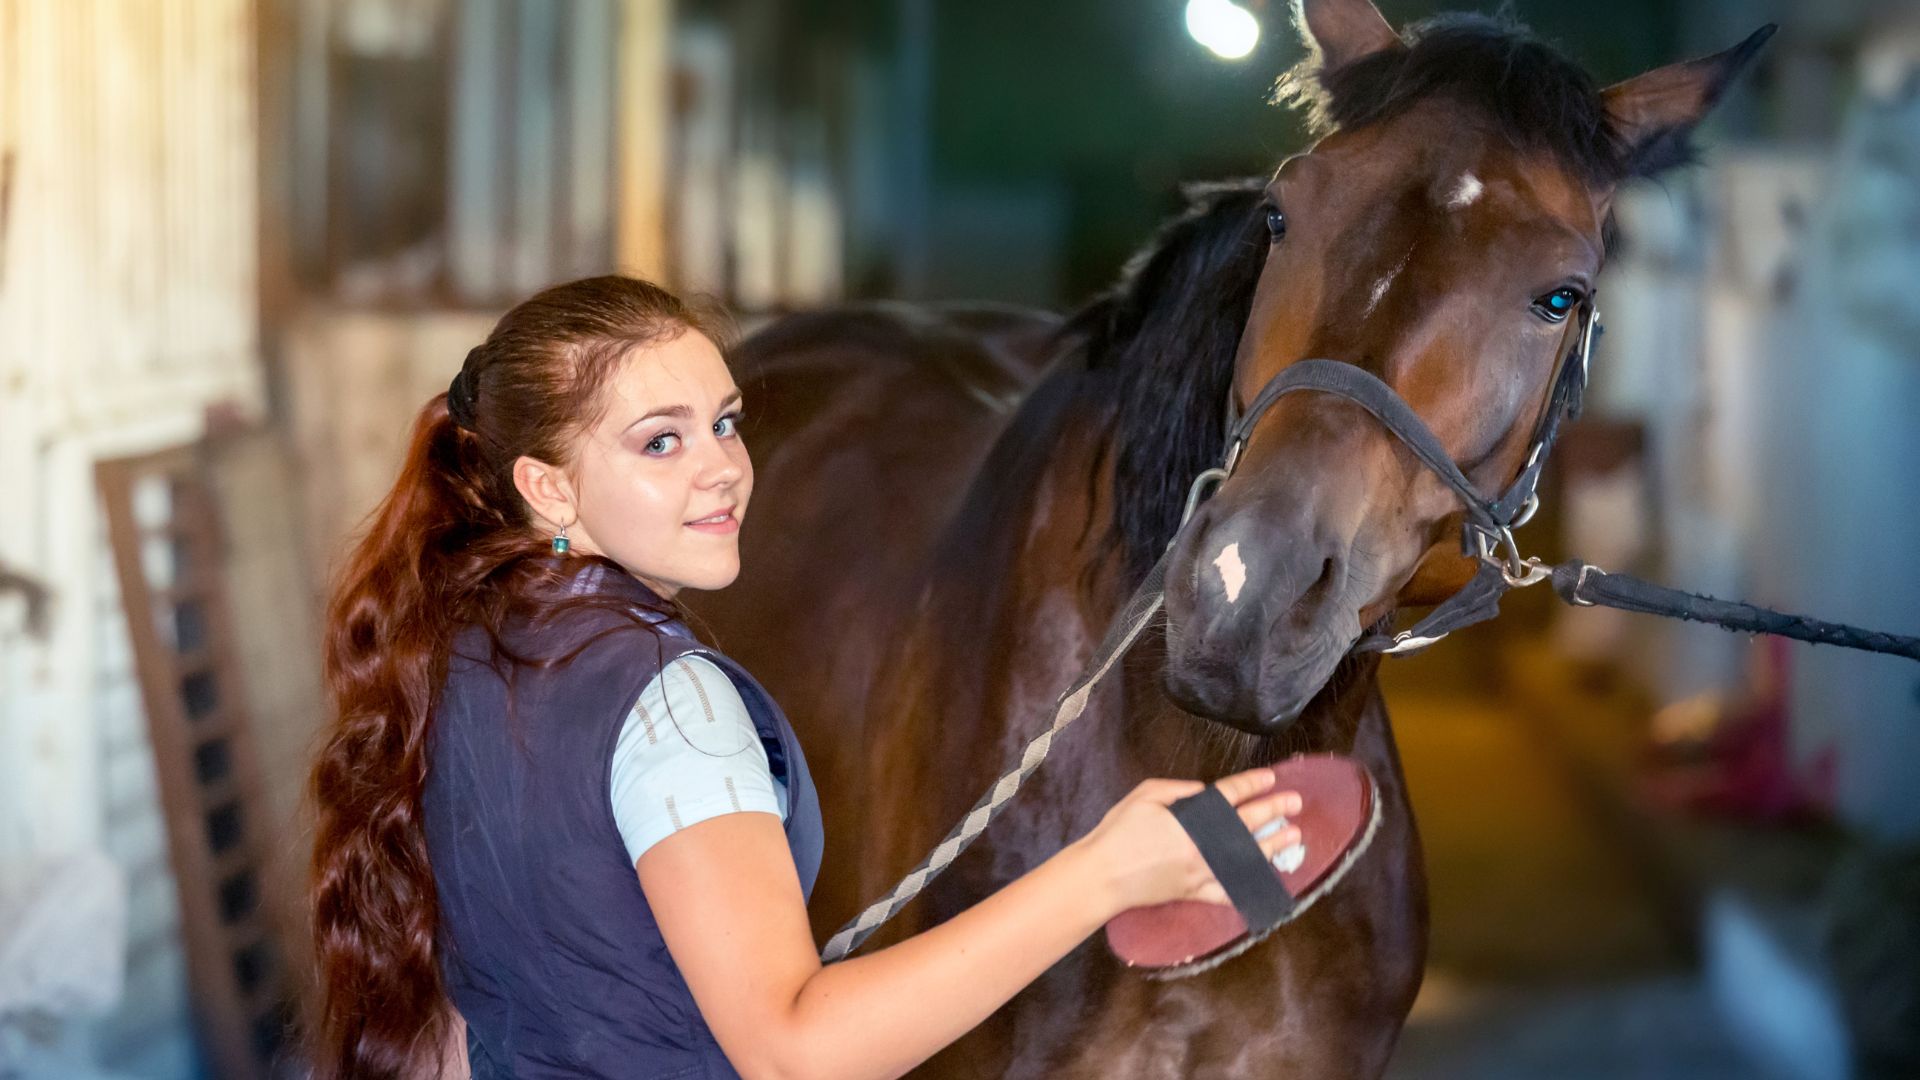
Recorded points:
(953, 502)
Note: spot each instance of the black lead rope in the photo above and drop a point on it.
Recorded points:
(1585, 585)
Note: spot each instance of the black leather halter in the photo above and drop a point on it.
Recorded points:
(1487, 532)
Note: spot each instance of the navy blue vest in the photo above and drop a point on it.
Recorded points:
(549, 949)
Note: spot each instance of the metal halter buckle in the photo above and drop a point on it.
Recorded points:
(1406, 642)
(1536, 572)
(1498, 547)
(1581, 583)
(1587, 334)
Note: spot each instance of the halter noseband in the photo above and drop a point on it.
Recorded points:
(1488, 530)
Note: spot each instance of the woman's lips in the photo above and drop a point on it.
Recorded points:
(718, 524)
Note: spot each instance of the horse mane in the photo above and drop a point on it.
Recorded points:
(1533, 95)
(1163, 341)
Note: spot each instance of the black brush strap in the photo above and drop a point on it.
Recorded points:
(1235, 858)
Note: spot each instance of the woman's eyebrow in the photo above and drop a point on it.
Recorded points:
(684, 412)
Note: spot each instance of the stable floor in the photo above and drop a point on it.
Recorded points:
(1558, 949)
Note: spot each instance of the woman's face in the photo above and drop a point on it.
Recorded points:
(661, 481)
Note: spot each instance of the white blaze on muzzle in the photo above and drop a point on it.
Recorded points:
(1233, 572)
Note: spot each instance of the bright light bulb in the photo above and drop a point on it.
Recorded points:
(1228, 30)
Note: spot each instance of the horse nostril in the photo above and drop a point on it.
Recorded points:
(1306, 604)
(1328, 582)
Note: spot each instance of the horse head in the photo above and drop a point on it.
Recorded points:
(1444, 234)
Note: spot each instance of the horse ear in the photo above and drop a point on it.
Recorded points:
(1654, 113)
(1342, 31)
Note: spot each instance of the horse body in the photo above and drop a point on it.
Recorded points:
(867, 426)
(953, 503)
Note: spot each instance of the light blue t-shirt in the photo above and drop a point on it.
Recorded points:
(688, 751)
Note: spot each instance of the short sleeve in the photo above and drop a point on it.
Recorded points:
(688, 751)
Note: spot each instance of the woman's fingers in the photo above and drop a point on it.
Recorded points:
(1242, 786)
(1260, 811)
(1263, 816)
(1281, 840)
(1165, 791)
(1240, 789)
(1271, 845)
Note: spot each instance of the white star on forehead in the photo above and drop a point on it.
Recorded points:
(1233, 572)
(1466, 192)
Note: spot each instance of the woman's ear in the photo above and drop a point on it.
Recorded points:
(548, 491)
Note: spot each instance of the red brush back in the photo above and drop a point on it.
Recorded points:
(1336, 822)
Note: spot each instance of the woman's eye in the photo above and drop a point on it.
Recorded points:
(663, 443)
(1556, 305)
(1276, 222)
(727, 426)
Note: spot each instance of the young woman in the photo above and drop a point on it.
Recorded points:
(546, 808)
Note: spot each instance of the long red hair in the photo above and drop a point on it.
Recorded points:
(451, 545)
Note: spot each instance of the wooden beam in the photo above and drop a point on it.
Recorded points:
(642, 136)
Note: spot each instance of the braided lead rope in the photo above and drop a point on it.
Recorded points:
(1125, 629)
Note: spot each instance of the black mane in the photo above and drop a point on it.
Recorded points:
(1167, 335)
(1536, 98)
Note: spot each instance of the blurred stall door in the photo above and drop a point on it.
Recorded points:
(128, 298)
(1840, 523)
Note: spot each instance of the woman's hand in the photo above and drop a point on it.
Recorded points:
(1149, 859)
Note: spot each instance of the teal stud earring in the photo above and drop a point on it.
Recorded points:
(560, 542)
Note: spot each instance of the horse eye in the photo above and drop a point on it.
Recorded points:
(1556, 305)
(1276, 222)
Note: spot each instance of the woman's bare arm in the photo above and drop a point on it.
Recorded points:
(728, 901)
(453, 1063)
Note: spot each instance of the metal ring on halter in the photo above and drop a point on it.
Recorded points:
(1194, 494)
(1498, 546)
(1198, 489)
(1531, 507)
(1587, 333)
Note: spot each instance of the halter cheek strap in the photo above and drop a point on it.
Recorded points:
(1488, 530)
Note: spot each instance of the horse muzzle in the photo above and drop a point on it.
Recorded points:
(1258, 615)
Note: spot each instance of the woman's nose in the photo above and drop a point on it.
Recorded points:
(721, 468)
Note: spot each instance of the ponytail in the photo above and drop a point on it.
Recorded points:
(389, 628)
